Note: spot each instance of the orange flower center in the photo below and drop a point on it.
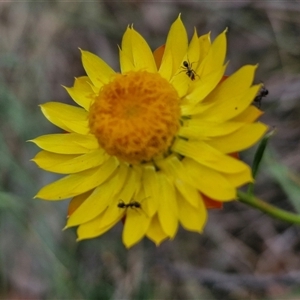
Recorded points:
(135, 117)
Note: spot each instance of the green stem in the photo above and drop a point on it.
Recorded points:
(268, 208)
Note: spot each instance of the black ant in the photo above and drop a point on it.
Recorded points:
(131, 204)
(263, 92)
(189, 71)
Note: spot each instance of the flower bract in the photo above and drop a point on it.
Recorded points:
(152, 145)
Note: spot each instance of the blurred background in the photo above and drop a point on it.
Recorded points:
(242, 254)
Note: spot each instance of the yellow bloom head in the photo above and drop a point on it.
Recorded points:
(152, 144)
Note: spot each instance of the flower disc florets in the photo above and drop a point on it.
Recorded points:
(136, 116)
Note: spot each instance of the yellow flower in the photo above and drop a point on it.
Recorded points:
(150, 144)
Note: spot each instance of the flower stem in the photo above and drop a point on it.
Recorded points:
(269, 209)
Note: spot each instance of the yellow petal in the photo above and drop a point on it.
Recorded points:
(141, 53)
(192, 58)
(77, 201)
(152, 189)
(168, 61)
(67, 143)
(190, 109)
(155, 232)
(158, 55)
(126, 53)
(136, 226)
(208, 83)
(109, 193)
(94, 227)
(239, 179)
(188, 192)
(181, 83)
(208, 156)
(81, 92)
(131, 186)
(233, 95)
(235, 105)
(121, 178)
(176, 48)
(78, 183)
(102, 198)
(205, 180)
(191, 218)
(126, 63)
(68, 164)
(168, 210)
(239, 140)
(204, 44)
(200, 177)
(67, 117)
(193, 51)
(209, 182)
(124, 189)
(249, 115)
(215, 57)
(172, 167)
(197, 128)
(98, 70)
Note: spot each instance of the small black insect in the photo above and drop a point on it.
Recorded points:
(131, 204)
(263, 92)
(189, 71)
